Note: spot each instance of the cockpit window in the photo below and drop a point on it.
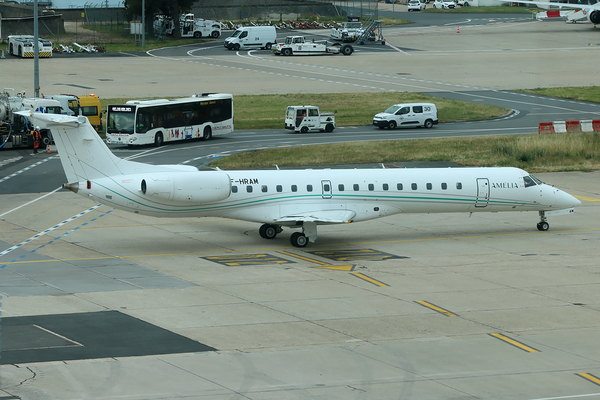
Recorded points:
(530, 181)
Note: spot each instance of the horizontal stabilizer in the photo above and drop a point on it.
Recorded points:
(321, 216)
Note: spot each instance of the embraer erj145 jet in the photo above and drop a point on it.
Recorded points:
(299, 199)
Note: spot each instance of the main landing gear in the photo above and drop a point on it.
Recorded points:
(543, 224)
(298, 239)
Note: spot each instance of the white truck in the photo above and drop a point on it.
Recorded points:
(308, 118)
(299, 46)
(251, 37)
(189, 26)
(23, 46)
(15, 129)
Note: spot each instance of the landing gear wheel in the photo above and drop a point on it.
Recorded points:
(268, 231)
(543, 226)
(158, 139)
(298, 239)
(392, 125)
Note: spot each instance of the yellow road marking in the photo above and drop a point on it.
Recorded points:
(304, 258)
(585, 198)
(369, 279)
(592, 378)
(514, 343)
(347, 268)
(435, 308)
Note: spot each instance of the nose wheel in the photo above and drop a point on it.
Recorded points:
(543, 225)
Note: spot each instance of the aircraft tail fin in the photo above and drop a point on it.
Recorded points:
(83, 154)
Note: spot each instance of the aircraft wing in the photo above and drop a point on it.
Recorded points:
(321, 216)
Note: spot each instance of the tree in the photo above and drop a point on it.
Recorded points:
(174, 9)
(169, 8)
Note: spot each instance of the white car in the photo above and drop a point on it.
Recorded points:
(416, 5)
(445, 4)
(463, 3)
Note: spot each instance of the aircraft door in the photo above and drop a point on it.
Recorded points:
(327, 191)
(483, 192)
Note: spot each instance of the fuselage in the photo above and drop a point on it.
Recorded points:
(267, 196)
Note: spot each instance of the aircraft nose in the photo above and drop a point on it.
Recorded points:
(564, 199)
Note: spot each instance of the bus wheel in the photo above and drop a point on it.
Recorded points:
(207, 134)
(158, 139)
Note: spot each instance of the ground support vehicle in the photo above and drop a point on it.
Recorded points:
(444, 4)
(348, 32)
(308, 118)
(407, 115)
(140, 122)
(86, 105)
(416, 5)
(16, 129)
(251, 37)
(23, 46)
(189, 26)
(298, 46)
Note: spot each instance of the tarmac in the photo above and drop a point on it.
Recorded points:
(108, 305)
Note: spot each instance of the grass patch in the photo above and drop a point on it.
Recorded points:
(587, 93)
(534, 153)
(354, 109)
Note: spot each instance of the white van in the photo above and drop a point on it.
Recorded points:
(252, 37)
(413, 114)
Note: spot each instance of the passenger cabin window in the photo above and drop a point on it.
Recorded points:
(279, 188)
(429, 186)
(263, 188)
(371, 187)
(458, 185)
(399, 186)
(413, 186)
(294, 188)
(249, 189)
(444, 186)
(356, 187)
(309, 188)
(385, 186)
(326, 187)
(234, 189)
(341, 187)
(418, 109)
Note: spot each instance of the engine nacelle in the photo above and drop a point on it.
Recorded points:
(188, 187)
(595, 17)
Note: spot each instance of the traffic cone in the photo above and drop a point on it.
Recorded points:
(47, 149)
(458, 29)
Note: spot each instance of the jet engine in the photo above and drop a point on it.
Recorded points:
(188, 187)
(595, 17)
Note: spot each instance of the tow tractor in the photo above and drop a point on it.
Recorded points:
(307, 118)
(299, 46)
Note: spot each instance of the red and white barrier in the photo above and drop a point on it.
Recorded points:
(586, 125)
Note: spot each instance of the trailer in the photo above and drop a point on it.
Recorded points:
(299, 46)
(23, 46)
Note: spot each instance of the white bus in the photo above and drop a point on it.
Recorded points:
(139, 122)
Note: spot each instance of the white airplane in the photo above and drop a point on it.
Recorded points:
(299, 199)
(581, 12)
